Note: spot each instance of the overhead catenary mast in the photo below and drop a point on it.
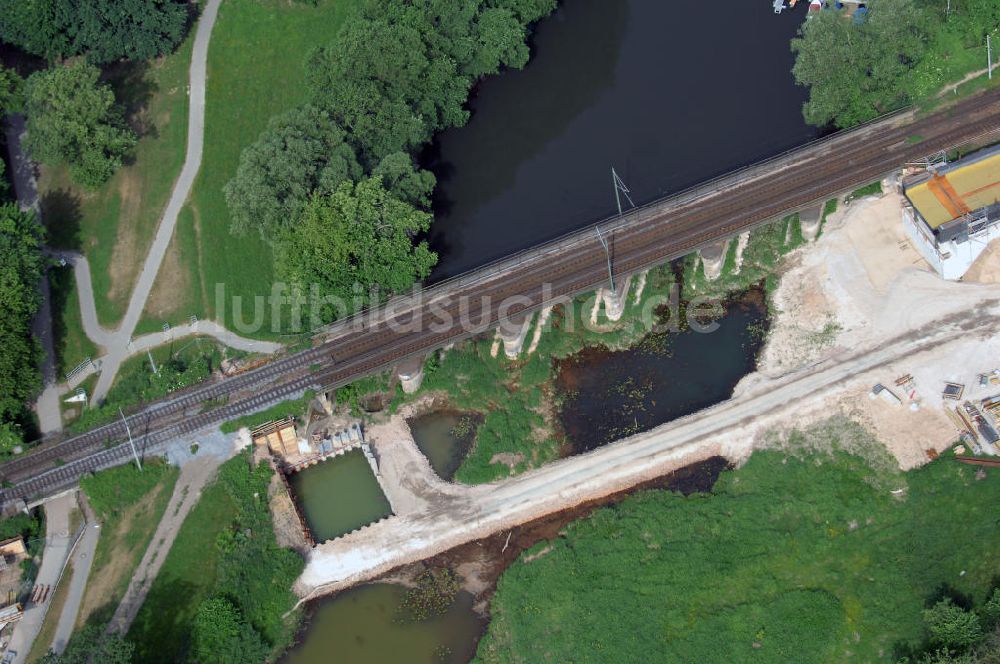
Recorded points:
(620, 189)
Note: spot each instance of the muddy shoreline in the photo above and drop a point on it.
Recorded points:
(480, 563)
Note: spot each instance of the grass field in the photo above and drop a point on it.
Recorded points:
(162, 628)
(255, 71)
(804, 557)
(129, 505)
(114, 225)
(70, 342)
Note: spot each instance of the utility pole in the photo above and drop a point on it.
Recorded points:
(607, 253)
(135, 454)
(620, 189)
(989, 56)
(619, 186)
(151, 362)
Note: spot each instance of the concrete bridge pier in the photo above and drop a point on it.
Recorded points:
(614, 301)
(810, 219)
(713, 257)
(326, 402)
(411, 373)
(513, 331)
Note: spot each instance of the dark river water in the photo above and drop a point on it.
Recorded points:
(669, 92)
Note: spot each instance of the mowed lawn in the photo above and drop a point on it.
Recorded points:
(808, 559)
(114, 225)
(256, 70)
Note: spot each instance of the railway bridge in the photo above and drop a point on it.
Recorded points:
(509, 289)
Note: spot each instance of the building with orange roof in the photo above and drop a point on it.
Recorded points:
(952, 211)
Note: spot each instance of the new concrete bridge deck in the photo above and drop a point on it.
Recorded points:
(410, 326)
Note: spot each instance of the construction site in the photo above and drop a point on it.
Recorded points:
(328, 481)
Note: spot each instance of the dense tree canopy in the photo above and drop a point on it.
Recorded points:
(857, 71)
(902, 51)
(301, 152)
(11, 96)
(105, 30)
(72, 118)
(402, 71)
(11, 91)
(222, 635)
(397, 73)
(360, 234)
(91, 644)
(21, 269)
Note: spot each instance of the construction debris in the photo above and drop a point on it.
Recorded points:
(953, 391)
(885, 394)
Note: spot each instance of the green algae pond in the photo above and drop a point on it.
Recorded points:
(339, 495)
(366, 625)
(444, 436)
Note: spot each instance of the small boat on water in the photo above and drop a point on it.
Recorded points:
(815, 7)
(778, 5)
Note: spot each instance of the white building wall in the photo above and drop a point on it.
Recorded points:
(949, 259)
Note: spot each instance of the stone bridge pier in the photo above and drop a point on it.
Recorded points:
(513, 331)
(411, 373)
(614, 301)
(810, 219)
(713, 257)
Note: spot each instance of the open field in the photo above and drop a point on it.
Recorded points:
(114, 225)
(162, 628)
(241, 98)
(795, 557)
(129, 506)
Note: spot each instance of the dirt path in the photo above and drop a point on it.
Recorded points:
(118, 345)
(194, 476)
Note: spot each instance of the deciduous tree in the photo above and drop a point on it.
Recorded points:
(359, 235)
(72, 117)
(301, 152)
(104, 30)
(223, 636)
(858, 70)
(953, 627)
(21, 269)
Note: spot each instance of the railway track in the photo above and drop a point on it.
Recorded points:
(652, 234)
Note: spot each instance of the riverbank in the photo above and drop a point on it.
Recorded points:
(803, 554)
(957, 336)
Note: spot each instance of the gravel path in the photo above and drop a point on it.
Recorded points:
(118, 346)
(194, 476)
(82, 560)
(58, 542)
